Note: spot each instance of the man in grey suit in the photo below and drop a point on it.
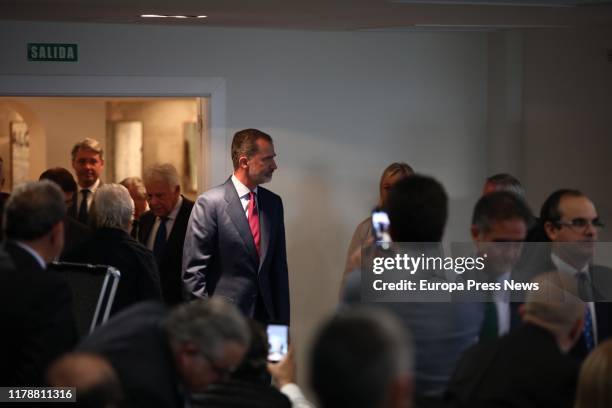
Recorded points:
(235, 240)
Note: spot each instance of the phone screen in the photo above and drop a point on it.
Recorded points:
(278, 342)
(380, 228)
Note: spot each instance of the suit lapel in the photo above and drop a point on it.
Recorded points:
(264, 223)
(145, 226)
(180, 216)
(236, 213)
(72, 210)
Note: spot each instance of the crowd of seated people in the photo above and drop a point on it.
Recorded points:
(548, 349)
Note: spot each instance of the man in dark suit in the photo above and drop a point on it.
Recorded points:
(235, 242)
(163, 228)
(160, 356)
(35, 304)
(88, 164)
(75, 233)
(529, 367)
(112, 245)
(572, 224)
(499, 226)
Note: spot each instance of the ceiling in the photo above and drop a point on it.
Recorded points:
(376, 15)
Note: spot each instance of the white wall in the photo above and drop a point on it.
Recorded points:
(62, 123)
(340, 106)
(568, 115)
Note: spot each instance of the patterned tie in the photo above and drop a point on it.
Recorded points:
(82, 217)
(253, 215)
(159, 245)
(585, 292)
(589, 339)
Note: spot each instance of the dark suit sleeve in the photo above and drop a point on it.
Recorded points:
(49, 331)
(281, 273)
(200, 246)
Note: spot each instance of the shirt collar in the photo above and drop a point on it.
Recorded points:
(91, 188)
(241, 189)
(32, 252)
(176, 208)
(563, 266)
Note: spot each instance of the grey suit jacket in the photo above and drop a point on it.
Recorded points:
(220, 258)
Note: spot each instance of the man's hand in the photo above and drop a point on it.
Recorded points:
(283, 372)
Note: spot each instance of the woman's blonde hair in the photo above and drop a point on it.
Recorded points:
(594, 390)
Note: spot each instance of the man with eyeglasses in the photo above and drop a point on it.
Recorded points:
(572, 224)
(162, 357)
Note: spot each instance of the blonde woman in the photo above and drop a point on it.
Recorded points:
(363, 233)
(594, 383)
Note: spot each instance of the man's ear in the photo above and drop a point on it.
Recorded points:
(521, 310)
(185, 352)
(401, 392)
(243, 162)
(475, 233)
(551, 230)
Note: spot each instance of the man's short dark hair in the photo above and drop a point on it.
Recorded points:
(356, 356)
(417, 208)
(499, 206)
(245, 144)
(550, 209)
(61, 177)
(32, 210)
(507, 182)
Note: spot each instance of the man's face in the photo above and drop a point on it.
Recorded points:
(88, 166)
(261, 165)
(575, 226)
(199, 371)
(162, 197)
(502, 243)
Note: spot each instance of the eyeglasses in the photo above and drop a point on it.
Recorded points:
(222, 372)
(581, 224)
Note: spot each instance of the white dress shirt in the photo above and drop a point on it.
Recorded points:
(92, 190)
(169, 224)
(243, 192)
(563, 266)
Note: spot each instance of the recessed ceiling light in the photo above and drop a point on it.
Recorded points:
(168, 16)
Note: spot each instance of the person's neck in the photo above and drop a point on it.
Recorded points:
(578, 263)
(563, 344)
(41, 248)
(244, 179)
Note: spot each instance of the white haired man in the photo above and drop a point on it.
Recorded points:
(163, 228)
(112, 245)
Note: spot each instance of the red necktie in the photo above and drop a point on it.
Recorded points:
(253, 215)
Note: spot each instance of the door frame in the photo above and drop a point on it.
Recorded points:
(214, 133)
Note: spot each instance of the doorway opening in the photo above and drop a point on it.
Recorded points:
(37, 133)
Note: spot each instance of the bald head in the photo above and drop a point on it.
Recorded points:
(94, 378)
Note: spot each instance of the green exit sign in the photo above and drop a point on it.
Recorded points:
(52, 52)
